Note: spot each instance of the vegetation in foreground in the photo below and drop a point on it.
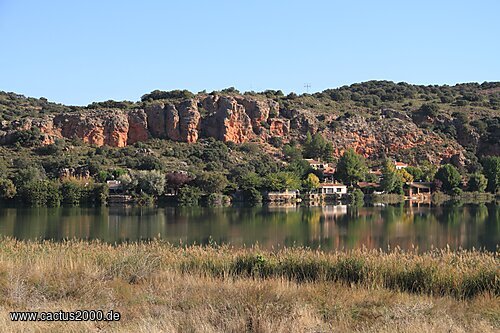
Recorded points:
(158, 287)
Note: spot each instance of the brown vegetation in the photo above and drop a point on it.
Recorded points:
(160, 288)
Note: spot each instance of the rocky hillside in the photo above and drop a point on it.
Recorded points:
(376, 118)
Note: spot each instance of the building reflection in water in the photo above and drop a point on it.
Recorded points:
(326, 227)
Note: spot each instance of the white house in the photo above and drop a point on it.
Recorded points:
(317, 165)
(332, 188)
(400, 165)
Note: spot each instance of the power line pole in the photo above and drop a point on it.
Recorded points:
(307, 86)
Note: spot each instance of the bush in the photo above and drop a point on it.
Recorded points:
(72, 192)
(477, 183)
(429, 110)
(449, 176)
(218, 200)
(41, 193)
(7, 189)
(188, 196)
(357, 197)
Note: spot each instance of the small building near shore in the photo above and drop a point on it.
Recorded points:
(283, 196)
(418, 190)
(115, 186)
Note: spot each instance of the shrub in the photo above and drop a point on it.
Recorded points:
(7, 189)
(477, 183)
(449, 176)
(188, 196)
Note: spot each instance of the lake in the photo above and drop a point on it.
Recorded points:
(327, 227)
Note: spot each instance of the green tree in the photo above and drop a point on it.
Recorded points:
(351, 167)
(7, 189)
(429, 110)
(292, 153)
(318, 147)
(281, 181)
(41, 193)
(72, 192)
(151, 182)
(449, 176)
(357, 197)
(491, 169)
(429, 171)
(189, 196)
(416, 172)
(212, 182)
(390, 179)
(477, 183)
(311, 182)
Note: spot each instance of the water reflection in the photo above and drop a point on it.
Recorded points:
(327, 227)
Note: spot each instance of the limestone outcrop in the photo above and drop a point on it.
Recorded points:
(243, 118)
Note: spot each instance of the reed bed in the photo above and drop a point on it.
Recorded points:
(219, 288)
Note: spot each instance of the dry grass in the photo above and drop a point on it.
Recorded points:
(160, 288)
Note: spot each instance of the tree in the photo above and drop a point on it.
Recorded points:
(416, 172)
(212, 182)
(188, 196)
(249, 184)
(389, 177)
(72, 192)
(429, 110)
(491, 169)
(351, 167)
(41, 193)
(318, 147)
(291, 153)
(357, 197)
(128, 182)
(477, 183)
(150, 182)
(311, 182)
(7, 189)
(176, 180)
(405, 175)
(429, 171)
(449, 176)
(281, 181)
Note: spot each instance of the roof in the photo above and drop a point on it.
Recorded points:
(329, 170)
(332, 185)
(367, 184)
(400, 164)
(312, 161)
(420, 184)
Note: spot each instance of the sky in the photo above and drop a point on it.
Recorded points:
(78, 52)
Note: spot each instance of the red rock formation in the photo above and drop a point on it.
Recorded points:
(156, 119)
(97, 128)
(258, 111)
(227, 120)
(189, 121)
(137, 126)
(279, 127)
(172, 122)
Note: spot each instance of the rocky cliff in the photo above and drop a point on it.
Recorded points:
(375, 132)
(225, 118)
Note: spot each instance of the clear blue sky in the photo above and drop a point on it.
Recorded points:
(76, 52)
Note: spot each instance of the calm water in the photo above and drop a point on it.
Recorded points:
(330, 227)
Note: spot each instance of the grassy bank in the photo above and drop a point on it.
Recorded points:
(158, 287)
